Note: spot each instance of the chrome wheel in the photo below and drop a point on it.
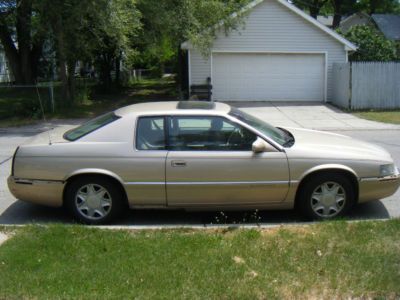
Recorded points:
(93, 201)
(328, 199)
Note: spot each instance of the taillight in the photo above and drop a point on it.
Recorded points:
(13, 162)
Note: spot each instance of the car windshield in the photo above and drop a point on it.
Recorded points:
(278, 135)
(90, 126)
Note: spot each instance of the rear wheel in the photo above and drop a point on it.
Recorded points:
(94, 200)
(326, 196)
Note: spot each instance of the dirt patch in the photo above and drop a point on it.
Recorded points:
(298, 229)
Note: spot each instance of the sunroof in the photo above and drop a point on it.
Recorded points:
(195, 105)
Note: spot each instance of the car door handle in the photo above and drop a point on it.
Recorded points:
(178, 163)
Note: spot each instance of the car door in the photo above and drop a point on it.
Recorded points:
(145, 184)
(211, 163)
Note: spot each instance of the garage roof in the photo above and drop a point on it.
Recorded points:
(348, 45)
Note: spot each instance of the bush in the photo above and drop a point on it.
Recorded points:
(372, 45)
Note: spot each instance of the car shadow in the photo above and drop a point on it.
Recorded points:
(369, 210)
(20, 213)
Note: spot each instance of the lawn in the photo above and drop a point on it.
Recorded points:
(381, 116)
(326, 260)
(21, 106)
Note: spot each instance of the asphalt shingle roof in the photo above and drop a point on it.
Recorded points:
(389, 25)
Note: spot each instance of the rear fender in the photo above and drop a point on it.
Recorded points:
(94, 171)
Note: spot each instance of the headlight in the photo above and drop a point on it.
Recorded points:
(387, 170)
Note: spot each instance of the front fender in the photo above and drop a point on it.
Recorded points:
(295, 184)
(328, 167)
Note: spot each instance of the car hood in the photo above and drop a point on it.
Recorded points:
(311, 143)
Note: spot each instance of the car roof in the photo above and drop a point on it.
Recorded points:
(174, 107)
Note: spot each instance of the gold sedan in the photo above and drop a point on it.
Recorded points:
(199, 155)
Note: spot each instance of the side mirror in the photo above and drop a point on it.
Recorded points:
(260, 146)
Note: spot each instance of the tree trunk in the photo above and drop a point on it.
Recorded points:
(106, 64)
(23, 27)
(373, 5)
(314, 11)
(62, 62)
(336, 21)
(118, 70)
(315, 7)
(11, 53)
(71, 80)
(24, 60)
(36, 53)
(179, 75)
(337, 17)
(65, 95)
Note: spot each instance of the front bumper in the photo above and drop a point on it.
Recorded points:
(378, 187)
(43, 192)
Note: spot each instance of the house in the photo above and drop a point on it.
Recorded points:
(282, 54)
(5, 74)
(387, 24)
(325, 20)
(359, 18)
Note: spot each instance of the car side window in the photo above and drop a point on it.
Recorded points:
(208, 133)
(150, 134)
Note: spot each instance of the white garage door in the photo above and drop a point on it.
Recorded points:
(268, 77)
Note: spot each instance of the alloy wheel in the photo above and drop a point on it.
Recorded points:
(328, 199)
(93, 201)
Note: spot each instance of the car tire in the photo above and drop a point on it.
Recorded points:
(326, 196)
(94, 200)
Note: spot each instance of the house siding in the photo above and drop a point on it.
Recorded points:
(271, 27)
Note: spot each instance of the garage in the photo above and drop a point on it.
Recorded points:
(280, 54)
(268, 76)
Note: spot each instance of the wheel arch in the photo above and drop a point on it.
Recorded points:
(333, 169)
(94, 172)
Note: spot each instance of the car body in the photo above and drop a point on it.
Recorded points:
(199, 156)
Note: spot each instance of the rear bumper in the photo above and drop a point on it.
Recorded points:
(377, 188)
(44, 192)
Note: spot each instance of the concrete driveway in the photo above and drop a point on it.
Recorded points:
(307, 115)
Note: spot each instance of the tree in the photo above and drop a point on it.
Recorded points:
(372, 45)
(22, 36)
(342, 8)
(113, 30)
(64, 20)
(380, 6)
(95, 31)
(313, 6)
(186, 20)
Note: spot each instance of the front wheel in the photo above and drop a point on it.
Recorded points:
(326, 196)
(94, 200)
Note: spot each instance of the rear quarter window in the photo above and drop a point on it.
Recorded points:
(90, 126)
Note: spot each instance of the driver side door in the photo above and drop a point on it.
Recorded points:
(210, 163)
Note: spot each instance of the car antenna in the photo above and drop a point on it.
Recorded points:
(42, 109)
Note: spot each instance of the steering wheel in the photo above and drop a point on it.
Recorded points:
(237, 132)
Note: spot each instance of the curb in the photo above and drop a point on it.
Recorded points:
(198, 226)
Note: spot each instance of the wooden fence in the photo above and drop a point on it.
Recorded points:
(366, 85)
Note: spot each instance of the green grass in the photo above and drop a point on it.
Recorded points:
(380, 116)
(20, 106)
(327, 260)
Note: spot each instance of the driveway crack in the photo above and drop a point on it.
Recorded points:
(6, 160)
(283, 113)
